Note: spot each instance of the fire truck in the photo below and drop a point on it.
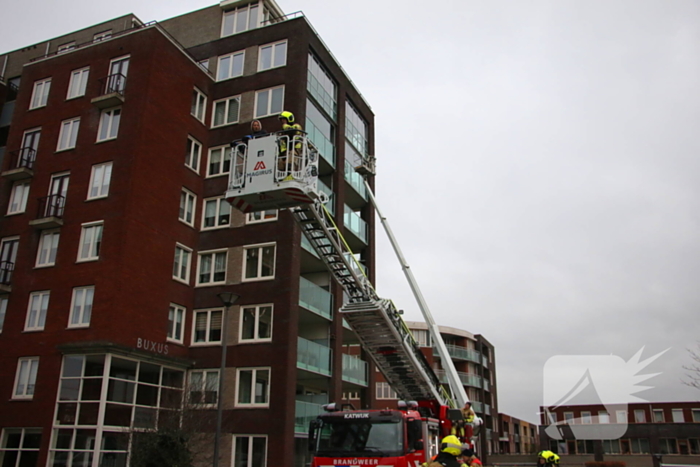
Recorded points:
(281, 171)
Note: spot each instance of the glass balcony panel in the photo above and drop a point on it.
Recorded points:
(324, 145)
(330, 205)
(354, 370)
(355, 180)
(305, 244)
(304, 412)
(313, 357)
(461, 353)
(315, 298)
(355, 224)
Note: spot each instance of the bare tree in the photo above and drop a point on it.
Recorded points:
(693, 375)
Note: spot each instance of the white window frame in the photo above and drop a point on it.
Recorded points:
(176, 317)
(383, 391)
(102, 36)
(269, 111)
(696, 415)
(213, 254)
(67, 47)
(100, 179)
(81, 306)
(203, 388)
(227, 105)
(259, 246)
(251, 444)
(40, 94)
(47, 248)
(68, 135)
(229, 72)
(273, 46)
(256, 326)
(18, 198)
(3, 310)
(655, 412)
(603, 417)
(78, 83)
(206, 341)
(94, 246)
(621, 416)
(250, 217)
(569, 418)
(29, 381)
(254, 371)
(40, 317)
(180, 248)
(190, 201)
(676, 419)
(198, 109)
(225, 151)
(220, 201)
(586, 418)
(20, 449)
(193, 154)
(107, 117)
(640, 416)
(235, 12)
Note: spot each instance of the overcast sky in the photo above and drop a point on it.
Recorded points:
(538, 162)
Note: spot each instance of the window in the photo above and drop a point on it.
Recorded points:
(20, 446)
(668, 445)
(66, 47)
(204, 387)
(30, 145)
(569, 418)
(272, 55)
(99, 181)
(261, 216)
(176, 318)
(68, 135)
(322, 87)
(25, 380)
(194, 151)
(677, 415)
(78, 83)
(219, 161)
(586, 418)
(250, 451)
(225, 111)
(187, 201)
(639, 416)
(696, 415)
(384, 391)
(48, 245)
(694, 445)
(212, 268)
(36, 313)
(181, 265)
(57, 192)
(18, 198)
(81, 307)
(621, 416)
(240, 20)
(40, 95)
(552, 417)
(658, 415)
(253, 387)
(230, 66)
(199, 104)
(269, 101)
(207, 327)
(109, 124)
(259, 262)
(256, 323)
(217, 213)
(322, 133)
(101, 36)
(611, 446)
(8, 256)
(118, 70)
(356, 130)
(204, 64)
(639, 445)
(90, 242)
(3, 310)
(422, 337)
(603, 417)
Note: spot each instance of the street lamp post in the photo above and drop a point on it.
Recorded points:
(228, 299)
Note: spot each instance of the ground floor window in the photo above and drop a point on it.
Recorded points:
(249, 451)
(19, 447)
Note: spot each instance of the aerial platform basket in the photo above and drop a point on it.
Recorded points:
(273, 172)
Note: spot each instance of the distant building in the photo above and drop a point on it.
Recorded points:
(517, 436)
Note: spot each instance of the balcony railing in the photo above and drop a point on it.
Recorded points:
(113, 84)
(315, 299)
(354, 370)
(355, 224)
(313, 357)
(304, 412)
(355, 180)
(461, 353)
(324, 145)
(51, 206)
(466, 379)
(24, 158)
(6, 270)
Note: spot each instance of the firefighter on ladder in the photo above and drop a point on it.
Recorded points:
(468, 416)
(547, 459)
(290, 129)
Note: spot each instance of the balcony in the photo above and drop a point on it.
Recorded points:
(485, 360)
(22, 164)
(466, 379)
(487, 409)
(324, 145)
(354, 370)
(357, 226)
(50, 212)
(313, 357)
(315, 299)
(6, 270)
(330, 205)
(111, 91)
(477, 406)
(486, 385)
(460, 353)
(357, 197)
(304, 412)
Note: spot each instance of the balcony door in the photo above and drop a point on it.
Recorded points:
(118, 70)
(30, 144)
(57, 195)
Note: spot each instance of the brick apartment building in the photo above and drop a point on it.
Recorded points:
(516, 436)
(116, 240)
(628, 432)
